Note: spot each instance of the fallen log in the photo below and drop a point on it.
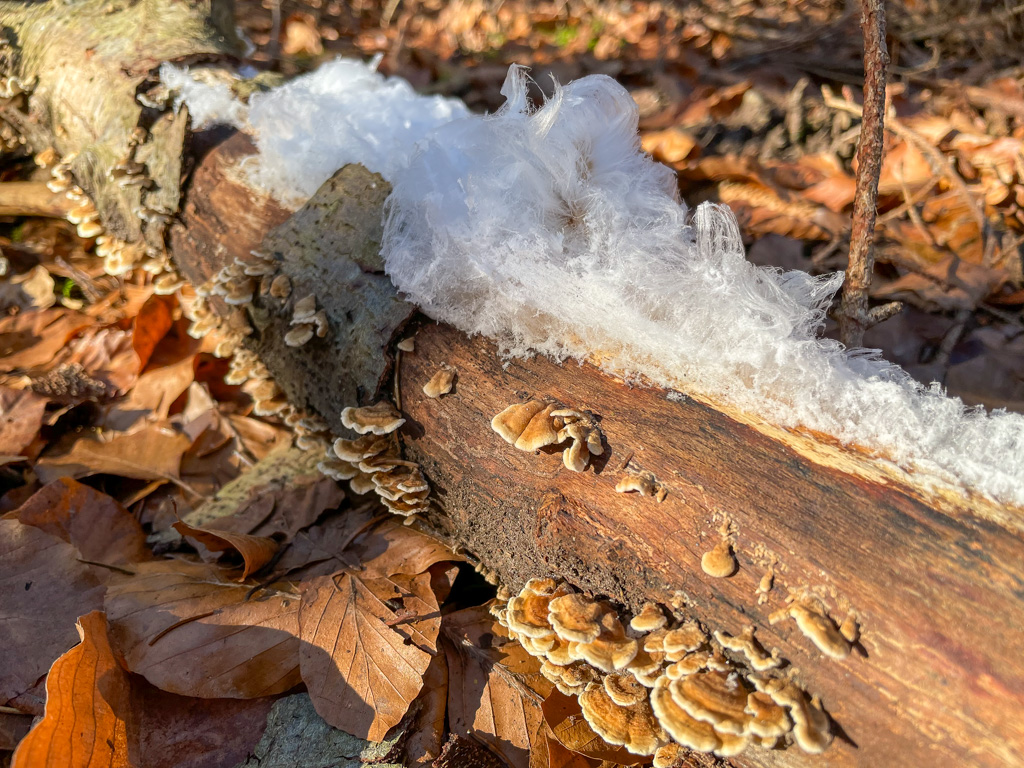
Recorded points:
(932, 580)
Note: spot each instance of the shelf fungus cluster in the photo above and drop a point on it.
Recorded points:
(372, 462)
(655, 686)
(537, 424)
(83, 214)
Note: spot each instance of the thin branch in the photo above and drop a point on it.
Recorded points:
(854, 315)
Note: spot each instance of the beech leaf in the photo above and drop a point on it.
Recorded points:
(87, 702)
(188, 630)
(98, 526)
(495, 689)
(361, 673)
(256, 551)
(45, 588)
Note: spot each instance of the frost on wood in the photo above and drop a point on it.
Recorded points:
(344, 112)
(548, 229)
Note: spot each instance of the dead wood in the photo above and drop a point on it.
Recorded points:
(932, 579)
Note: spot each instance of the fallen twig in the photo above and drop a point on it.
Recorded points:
(854, 315)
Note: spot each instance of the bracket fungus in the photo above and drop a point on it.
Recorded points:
(379, 419)
(660, 686)
(440, 383)
(817, 627)
(536, 424)
(372, 462)
(633, 727)
(719, 562)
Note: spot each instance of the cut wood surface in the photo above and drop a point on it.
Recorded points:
(934, 580)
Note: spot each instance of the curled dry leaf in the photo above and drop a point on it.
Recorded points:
(45, 588)
(256, 551)
(495, 689)
(188, 630)
(87, 701)
(100, 529)
(361, 674)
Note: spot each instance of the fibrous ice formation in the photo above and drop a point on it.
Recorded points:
(549, 230)
(344, 112)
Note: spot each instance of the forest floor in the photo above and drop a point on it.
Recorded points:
(110, 409)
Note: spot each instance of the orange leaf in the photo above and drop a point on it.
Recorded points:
(361, 674)
(189, 631)
(423, 745)
(256, 551)
(87, 698)
(150, 325)
(100, 529)
(31, 339)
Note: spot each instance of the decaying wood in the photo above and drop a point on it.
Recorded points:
(933, 579)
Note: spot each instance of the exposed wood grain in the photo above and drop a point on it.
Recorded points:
(936, 580)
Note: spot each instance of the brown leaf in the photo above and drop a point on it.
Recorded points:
(361, 674)
(495, 689)
(45, 588)
(170, 731)
(31, 339)
(149, 454)
(13, 728)
(21, 416)
(256, 551)
(565, 719)
(189, 630)
(560, 757)
(423, 745)
(87, 703)
(392, 548)
(100, 529)
(150, 398)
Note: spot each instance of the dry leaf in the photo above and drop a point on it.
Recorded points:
(21, 416)
(392, 548)
(87, 702)
(150, 326)
(170, 731)
(189, 630)
(31, 339)
(45, 588)
(32, 290)
(495, 689)
(256, 551)
(565, 719)
(13, 728)
(150, 398)
(423, 744)
(361, 674)
(149, 454)
(100, 529)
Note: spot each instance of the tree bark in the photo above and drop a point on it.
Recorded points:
(934, 579)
